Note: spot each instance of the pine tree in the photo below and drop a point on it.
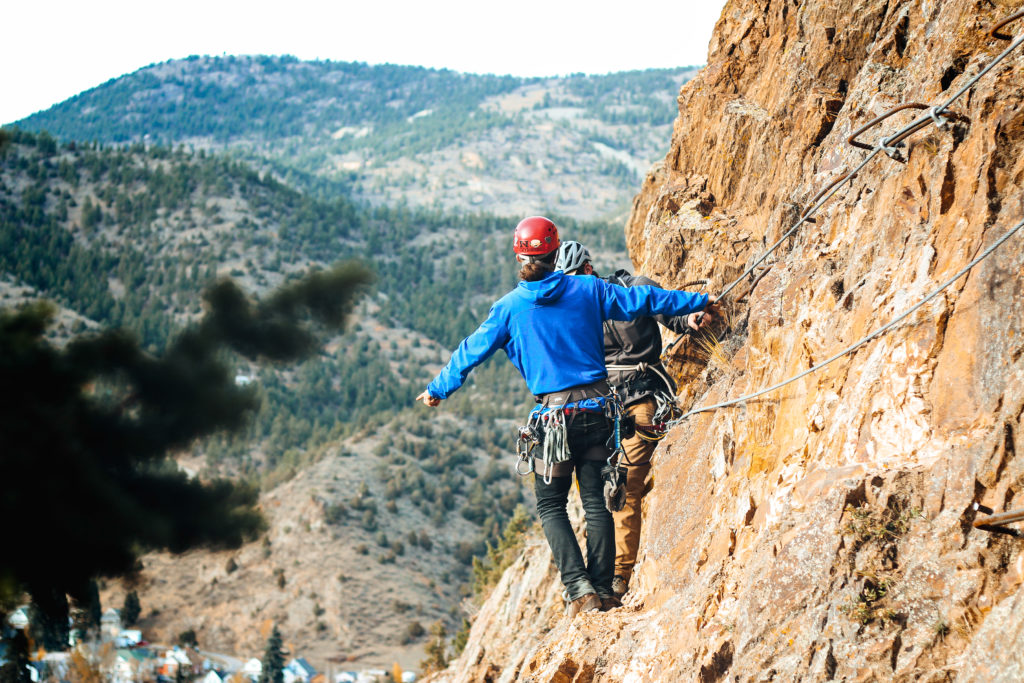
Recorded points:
(88, 611)
(436, 650)
(188, 638)
(273, 660)
(48, 620)
(131, 610)
(107, 483)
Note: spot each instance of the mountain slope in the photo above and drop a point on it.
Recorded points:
(436, 138)
(365, 550)
(129, 237)
(823, 531)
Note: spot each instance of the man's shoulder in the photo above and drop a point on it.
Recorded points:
(511, 299)
(620, 277)
(626, 279)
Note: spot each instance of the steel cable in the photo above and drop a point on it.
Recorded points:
(887, 144)
(861, 342)
(932, 116)
(803, 219)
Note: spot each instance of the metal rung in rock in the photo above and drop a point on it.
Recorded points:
(999, 518)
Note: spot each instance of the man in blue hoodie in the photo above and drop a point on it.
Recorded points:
(550, 327)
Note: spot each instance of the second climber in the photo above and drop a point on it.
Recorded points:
(632, 352)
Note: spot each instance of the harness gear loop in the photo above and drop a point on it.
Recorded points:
(666, 411)
(666, 407)
(529, 436)
(555, 446)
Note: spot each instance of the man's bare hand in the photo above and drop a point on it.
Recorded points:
(712, 310)
(429, 400)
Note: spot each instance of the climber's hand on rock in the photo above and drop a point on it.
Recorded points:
(429, 400)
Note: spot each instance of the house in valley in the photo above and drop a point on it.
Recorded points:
(301, 669)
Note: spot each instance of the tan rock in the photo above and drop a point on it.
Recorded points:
(823, 532)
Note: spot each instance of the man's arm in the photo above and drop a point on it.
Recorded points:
(629, 303)
(474, 350)
(680, 324)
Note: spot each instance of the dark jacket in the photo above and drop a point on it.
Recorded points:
(637, 341)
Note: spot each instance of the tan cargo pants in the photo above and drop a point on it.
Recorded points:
(638, 466)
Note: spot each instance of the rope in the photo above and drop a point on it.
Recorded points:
(889, 145)
(861, 342)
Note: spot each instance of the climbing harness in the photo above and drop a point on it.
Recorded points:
(546, 428)
(936, 115)
(666, 406)
(642, 369)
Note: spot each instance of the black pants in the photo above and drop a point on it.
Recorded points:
(586, 434)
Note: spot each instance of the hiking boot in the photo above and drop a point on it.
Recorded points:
(619, 586)
(585, 603)
(610, 603)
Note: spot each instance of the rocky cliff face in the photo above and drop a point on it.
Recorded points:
(823, 531)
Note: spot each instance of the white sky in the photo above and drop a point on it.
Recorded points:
(53, 49)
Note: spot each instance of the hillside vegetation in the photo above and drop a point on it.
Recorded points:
(130, 236)
(433, 138)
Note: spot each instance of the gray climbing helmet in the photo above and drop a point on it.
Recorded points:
(571, 257)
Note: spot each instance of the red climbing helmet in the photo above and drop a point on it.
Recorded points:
(535, 236)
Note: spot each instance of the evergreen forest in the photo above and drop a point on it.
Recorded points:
(126, 203)
(388, 134)
(129, 237)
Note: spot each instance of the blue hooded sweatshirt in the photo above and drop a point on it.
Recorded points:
(551, 330)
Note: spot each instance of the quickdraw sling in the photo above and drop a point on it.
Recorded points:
(546, 428)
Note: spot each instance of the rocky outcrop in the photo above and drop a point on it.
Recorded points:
(824, 531)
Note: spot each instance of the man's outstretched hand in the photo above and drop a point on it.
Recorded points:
(429, 400)
(699, 321)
